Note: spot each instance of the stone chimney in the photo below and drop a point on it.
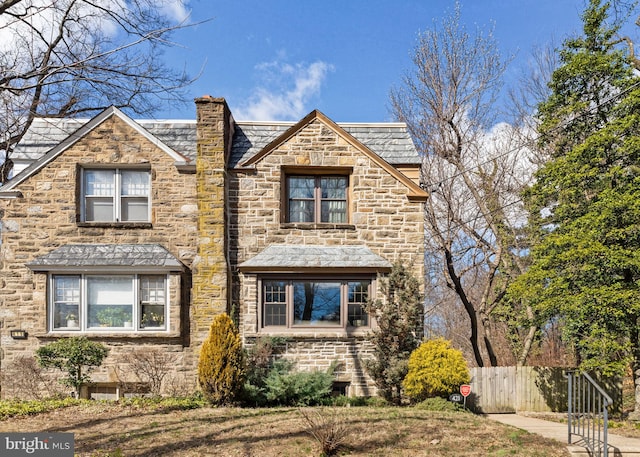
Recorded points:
(210, 287)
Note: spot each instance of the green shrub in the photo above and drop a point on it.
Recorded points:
(165, 403)
(297, 388)
(439, 404)
(435, 370)
(76, 356)
(284, 387)
(376, 402)
(260, 359)
(342, 400)
(221, 368)
(272, 381)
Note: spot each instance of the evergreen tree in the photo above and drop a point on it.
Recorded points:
(221, 369)
(400, 325)
(584, 205)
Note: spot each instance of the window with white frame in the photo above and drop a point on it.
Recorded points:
(317, 198)
(95, 302)
(315, 302)
(116, 195)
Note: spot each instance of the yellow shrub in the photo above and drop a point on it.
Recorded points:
(435, 370)
(221, 367)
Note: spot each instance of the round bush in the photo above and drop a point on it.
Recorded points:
(435, 370)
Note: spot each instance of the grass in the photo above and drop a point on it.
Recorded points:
(174, 428)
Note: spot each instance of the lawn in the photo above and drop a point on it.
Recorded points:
(104, 429)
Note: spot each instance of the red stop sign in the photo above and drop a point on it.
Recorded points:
(465, 390)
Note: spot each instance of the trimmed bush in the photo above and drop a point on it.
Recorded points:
(76, 356)
(435, 370)
(221, 369)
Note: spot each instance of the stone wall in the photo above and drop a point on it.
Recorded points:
(381, 218)
(210, 272)
(47, 215)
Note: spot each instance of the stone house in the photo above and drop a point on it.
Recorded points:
(137, 233)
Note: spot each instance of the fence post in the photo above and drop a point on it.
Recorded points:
(569, 377)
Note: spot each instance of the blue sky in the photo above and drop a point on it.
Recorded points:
(280, 59)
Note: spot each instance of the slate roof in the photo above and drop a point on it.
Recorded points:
(282, 257)
(46, 133)
(107, 255)
(391, 141)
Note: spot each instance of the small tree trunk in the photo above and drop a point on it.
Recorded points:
(635, 368)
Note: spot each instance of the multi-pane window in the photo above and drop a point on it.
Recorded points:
(275, 303)
(315, 303)
(108, 302)
(317, 199)
(358, 294)
(116, 195)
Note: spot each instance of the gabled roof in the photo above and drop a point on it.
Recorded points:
(415, 192)
(390, 140)
(83, 130)
(48, 137)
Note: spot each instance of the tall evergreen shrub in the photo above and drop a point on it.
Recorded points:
(221, 369)
(400, 319)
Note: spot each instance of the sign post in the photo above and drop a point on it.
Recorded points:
(465, 390)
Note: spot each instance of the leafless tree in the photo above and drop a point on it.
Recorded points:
(473, 171)
(76, 57)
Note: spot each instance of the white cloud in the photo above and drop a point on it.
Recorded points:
(45, 16)
(286, 92)
(175, 9)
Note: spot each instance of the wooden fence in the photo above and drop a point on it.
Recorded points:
(534, 389)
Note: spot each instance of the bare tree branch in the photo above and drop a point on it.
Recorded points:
(449, 105)
(70, 57)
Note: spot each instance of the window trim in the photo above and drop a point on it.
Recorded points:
(117, 196)
(83, 326)
(291, 326)
(317, 173)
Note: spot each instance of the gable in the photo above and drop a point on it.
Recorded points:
(303, 128)
(84, 130)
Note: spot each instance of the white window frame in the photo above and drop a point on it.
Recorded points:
(116, 197)
(344, 324)
(83, 325)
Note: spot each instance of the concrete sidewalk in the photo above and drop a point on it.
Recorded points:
(619, 446)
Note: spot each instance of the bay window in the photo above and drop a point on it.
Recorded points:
(96, 302)
(315, 302)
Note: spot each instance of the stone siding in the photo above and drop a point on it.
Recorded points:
(211, 221)
(47, 215)
(382, 218)
(210, 272)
